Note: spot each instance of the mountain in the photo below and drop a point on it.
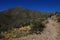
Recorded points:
(18, 16)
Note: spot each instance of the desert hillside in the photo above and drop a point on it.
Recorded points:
(22, 24)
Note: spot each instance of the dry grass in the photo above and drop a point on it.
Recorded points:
(16, 32)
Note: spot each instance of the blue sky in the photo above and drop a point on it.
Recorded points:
(39, 5)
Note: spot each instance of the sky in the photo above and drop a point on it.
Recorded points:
(39, 5)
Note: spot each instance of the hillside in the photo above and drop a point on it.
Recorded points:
(16, 17)
(18, 21)
(50, 32)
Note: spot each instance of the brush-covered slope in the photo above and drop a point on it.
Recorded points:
(18, 21)
(16, 17)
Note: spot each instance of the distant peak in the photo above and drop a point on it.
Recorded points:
(17, 7)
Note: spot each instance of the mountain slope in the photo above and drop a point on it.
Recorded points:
(15, 17)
